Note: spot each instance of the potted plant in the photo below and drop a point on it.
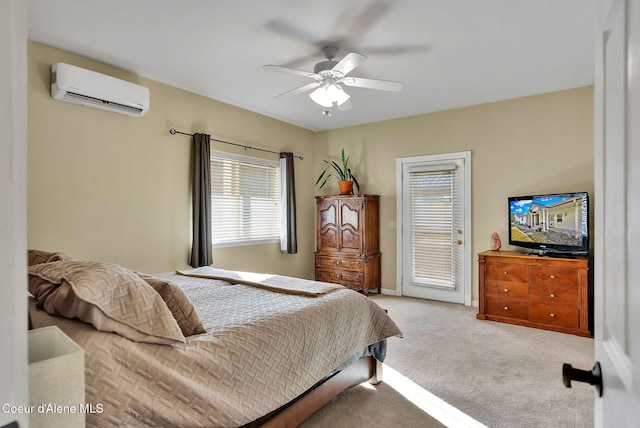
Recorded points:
(346, 180)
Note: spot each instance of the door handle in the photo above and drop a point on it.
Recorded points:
(593, 377)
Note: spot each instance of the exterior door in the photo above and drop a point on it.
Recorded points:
(617, 214)
(434, 248)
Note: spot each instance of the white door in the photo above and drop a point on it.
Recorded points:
(617, 214)
(434, 248)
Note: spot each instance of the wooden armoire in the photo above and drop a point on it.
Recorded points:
(348, 241)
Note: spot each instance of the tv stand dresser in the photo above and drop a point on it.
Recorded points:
(550, 293)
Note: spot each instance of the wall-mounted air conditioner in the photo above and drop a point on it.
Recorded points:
(86, 87)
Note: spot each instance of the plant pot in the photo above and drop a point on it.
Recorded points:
(346, 187)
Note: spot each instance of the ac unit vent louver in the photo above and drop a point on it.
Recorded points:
(85, 99)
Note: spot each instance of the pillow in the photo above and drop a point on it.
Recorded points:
(178, 303)
(35, 257)
(108, 296)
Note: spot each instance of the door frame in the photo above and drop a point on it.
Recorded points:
(466, 235)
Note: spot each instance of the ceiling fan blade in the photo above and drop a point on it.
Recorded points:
(349, 62)
(383, 85)
(291, 71)
(353, 26)
(292, 31)
(394, 49)
(345, 106)
(301, 89)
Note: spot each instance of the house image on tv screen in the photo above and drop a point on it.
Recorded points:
(549, 219)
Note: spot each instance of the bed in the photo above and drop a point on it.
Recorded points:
(207, 347)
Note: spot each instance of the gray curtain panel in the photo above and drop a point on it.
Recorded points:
(201, 194)
(288, 230)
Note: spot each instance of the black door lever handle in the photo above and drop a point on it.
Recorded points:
(593, 377)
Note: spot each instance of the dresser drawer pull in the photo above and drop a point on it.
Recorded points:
(338, 263)
(506, 290)
(552, 295)
(552, 315)
(552, 276)
(505, 272)
(506, 308)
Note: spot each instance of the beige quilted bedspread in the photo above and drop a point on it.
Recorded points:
(262, 349)
(282, 284)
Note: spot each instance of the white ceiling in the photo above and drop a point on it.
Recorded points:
(448, 53)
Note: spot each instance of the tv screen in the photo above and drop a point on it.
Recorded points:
(550, 223)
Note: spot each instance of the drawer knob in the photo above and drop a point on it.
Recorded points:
(552, 315)
(506, 290)
(505, 272)
(552, 295)
(337, 262)
(506, 308)
(552, 276)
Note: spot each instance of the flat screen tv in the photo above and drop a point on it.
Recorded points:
(550, 224)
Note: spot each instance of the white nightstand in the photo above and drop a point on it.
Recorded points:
(56, 379)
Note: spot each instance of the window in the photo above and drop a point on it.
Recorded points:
(559, 218)
(245, 200)
(432, 220)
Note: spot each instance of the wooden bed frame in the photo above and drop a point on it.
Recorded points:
(302, 408)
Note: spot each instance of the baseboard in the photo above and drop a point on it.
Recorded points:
(389, 292)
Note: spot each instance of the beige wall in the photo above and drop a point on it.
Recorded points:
(524, 146)
(104, 186)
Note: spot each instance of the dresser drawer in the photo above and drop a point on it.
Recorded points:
(549, 275)
(554, 295)
(508, 290)
(343, 263)
(507, 272)
(507, 307)
(555, 315)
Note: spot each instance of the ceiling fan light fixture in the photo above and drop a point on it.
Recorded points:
(328, 94)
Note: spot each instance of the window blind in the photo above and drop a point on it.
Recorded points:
(433, 222)
(245, 200)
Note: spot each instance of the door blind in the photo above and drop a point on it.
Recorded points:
(432, 222)
(245, 200)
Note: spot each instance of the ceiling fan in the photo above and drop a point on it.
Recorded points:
(330, 75)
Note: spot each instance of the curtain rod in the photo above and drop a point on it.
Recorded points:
(173, 131)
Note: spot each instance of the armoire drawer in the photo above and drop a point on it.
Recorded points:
(346, 278)
(355, 264)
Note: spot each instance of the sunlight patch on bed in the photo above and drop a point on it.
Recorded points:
(426, 401)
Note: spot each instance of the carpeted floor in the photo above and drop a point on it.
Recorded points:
(498, 374)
